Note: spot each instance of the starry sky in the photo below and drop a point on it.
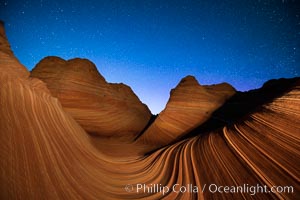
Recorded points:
(151, 45)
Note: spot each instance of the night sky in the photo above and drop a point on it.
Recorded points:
(151, 45)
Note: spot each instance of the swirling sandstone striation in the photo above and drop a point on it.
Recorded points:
(46, 154)
(190, 105)
(99, 107)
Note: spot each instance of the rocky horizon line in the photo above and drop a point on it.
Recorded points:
(66, 133)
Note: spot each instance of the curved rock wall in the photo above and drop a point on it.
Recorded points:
(46, 153)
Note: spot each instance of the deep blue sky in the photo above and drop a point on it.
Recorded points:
(151, 45)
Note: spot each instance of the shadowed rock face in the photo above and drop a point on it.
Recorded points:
(45, 153)
(99, 107)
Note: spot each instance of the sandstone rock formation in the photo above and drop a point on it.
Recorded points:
(99, 107)
(190, 105)
(46, 154)
(8, 63)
